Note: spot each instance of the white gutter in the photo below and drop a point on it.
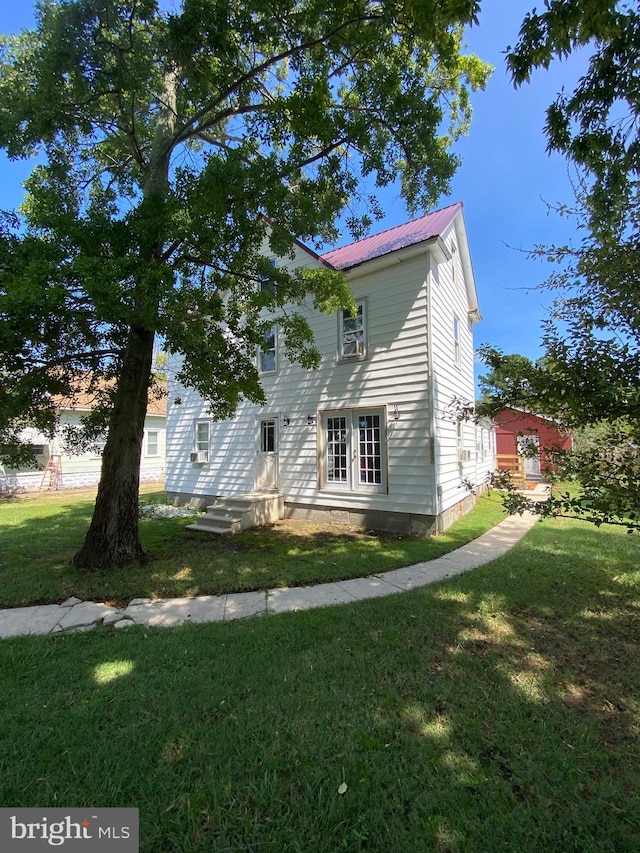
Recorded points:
(434, 246)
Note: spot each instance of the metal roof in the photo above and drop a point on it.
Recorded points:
(84, 400)
(409, 234)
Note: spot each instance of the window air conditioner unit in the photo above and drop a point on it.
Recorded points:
(353, 347)
(200, 456)
(464, 455)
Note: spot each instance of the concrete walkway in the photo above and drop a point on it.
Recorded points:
(76, 615)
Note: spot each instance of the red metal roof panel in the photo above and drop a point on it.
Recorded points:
(417, 231)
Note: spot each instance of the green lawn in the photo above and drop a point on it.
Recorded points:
(40, 535)
(499, 710)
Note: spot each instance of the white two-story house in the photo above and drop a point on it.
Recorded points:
(367, 438)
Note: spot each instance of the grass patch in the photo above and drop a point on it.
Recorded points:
(499, 710)
(40, 536)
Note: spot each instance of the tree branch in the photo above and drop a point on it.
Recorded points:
(191, 128)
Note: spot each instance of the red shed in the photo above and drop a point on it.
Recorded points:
(515, 430)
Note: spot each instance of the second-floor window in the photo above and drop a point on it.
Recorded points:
(456, 341)
(352, 332)
(267, 283)
(268, 352)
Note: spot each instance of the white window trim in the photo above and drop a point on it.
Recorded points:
(457, 359)
(276, 354)
(342, 358)
(98, 446)
(353, 486)
(200, 454)
(267, 419)
(266, 284)
(147, 433)
(463, 453)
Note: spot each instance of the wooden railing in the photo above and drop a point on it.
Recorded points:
(513, 464)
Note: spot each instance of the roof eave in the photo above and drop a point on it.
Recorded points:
(467, 268)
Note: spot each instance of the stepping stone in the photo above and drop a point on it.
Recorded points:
(409, 577)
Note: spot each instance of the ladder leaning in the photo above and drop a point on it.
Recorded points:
(52, 474)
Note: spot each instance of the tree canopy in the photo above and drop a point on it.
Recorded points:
(589, 375)
(179, 153)
(507, 382)
(592, 337)
(596, 125)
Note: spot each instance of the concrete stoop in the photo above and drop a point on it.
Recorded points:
(240, 512)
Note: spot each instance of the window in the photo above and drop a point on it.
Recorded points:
(202, 430)
(354, 451)
(268, 436)
(267, 284)
(456, 341)
(464, 455)
(370, 449)
(336, 442)
(267, 353)
(152, 448)
(352, 332)
(97, 446)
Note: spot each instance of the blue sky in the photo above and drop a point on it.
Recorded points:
(504, 180)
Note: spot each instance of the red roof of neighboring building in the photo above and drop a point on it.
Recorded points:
(409, 234)
(84, 400)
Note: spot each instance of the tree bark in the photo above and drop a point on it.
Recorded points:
(113, 538)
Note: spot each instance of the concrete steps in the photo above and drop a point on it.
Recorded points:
(228, 515)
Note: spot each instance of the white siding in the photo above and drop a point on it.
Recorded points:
(229, 470)
(394, 374)
(400, 291)
(449, 300)
(83, 469)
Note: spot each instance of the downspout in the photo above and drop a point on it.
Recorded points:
(431, 394)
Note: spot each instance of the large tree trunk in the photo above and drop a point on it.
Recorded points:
(113, 538)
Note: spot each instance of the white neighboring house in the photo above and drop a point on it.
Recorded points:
(83, 469)
(365, 439)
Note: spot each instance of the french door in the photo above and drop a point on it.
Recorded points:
(354, 450)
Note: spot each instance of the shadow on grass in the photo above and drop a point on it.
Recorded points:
(37, 566)
(495, 711)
